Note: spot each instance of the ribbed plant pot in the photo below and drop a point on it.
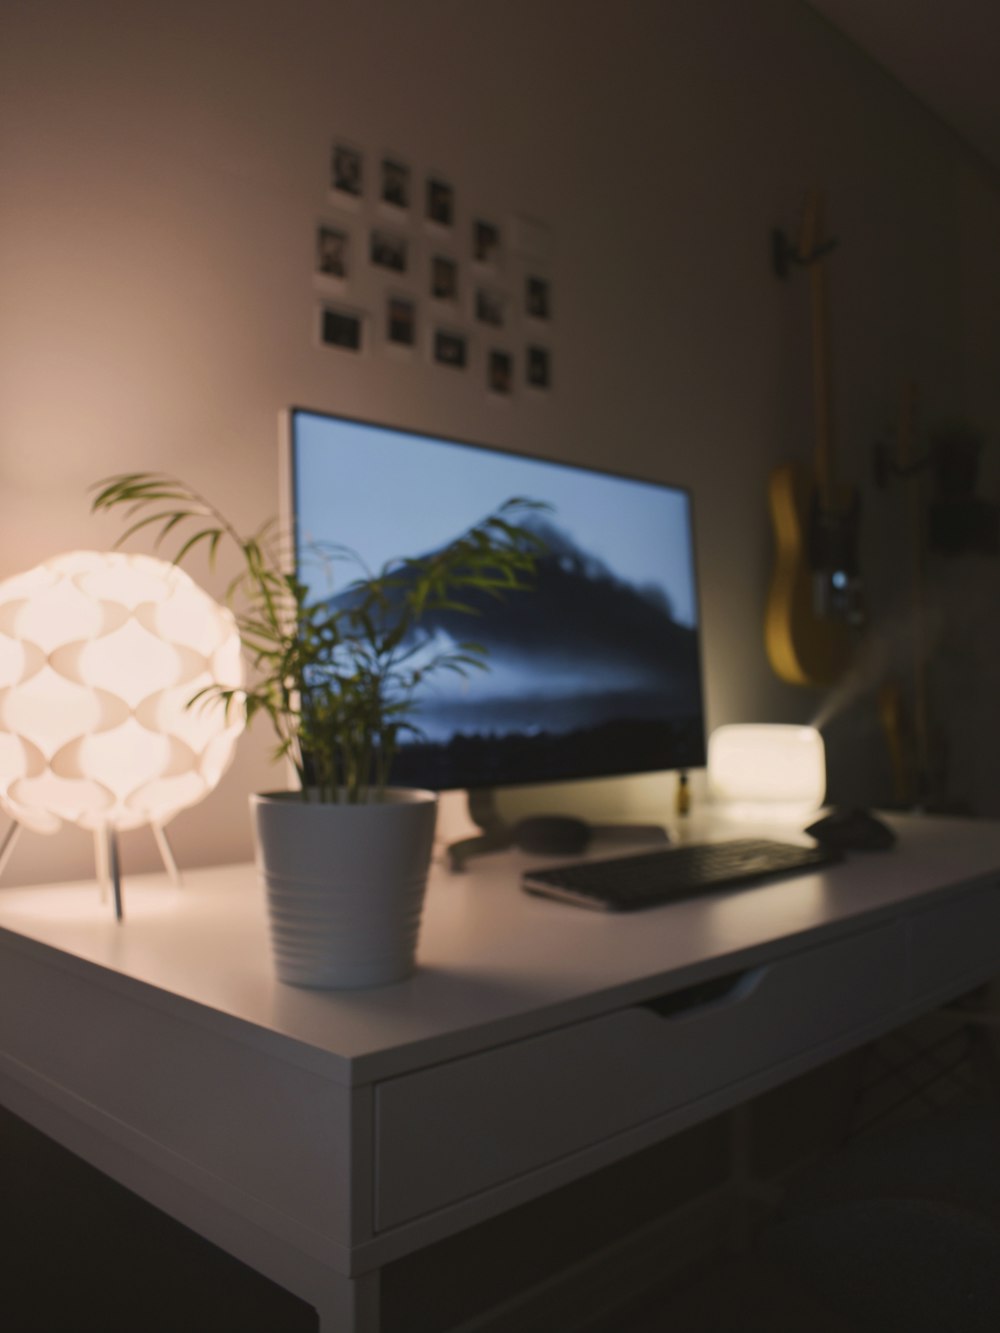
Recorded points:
(345, 885)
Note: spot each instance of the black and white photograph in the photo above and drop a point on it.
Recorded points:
(440, 202)
(332, 251)
(387, 250)
(538, 298)
(444, 278)
(347, 171)
(395, 187)
(340, 328)
(539, 367)
(500, 372)
(485, 242)
(489, 307)
(401, 321)
(450, 349)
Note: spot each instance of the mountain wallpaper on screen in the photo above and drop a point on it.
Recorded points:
(587, 674)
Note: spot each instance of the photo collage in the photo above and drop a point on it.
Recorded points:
(400, 266)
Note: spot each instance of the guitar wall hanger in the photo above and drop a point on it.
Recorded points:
(785, 253)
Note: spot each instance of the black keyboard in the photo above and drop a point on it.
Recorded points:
(646, 879)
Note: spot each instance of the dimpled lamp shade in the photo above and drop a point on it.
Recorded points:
(99, 655)
(767, 770)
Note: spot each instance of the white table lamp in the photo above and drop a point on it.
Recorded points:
(100, 653)
(767, 770)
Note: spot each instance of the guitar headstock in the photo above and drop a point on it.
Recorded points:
(810, 246)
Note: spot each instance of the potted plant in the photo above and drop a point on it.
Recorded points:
(345, 858)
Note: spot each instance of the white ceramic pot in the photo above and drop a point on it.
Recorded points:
(345, 885)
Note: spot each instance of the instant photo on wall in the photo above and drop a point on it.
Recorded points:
(342, 329)
(401, 322)
(395, 183)
(440, 202)
(499, 372)
(450, 348)
(333, 252)
(347, 173)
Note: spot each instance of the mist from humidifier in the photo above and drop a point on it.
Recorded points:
(888, 650)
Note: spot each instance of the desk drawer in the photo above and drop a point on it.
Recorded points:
(451, 1131)
(956, 943)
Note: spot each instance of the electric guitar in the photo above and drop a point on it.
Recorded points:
(814, 602)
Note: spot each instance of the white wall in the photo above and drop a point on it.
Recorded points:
(163, 167)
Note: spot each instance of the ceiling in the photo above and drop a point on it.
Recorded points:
(946, 52)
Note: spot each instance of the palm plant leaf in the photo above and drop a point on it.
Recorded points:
(336, 683)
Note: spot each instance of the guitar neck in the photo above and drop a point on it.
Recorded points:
(812, 251)
(823, 457)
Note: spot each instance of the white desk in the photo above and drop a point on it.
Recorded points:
(320, 1135)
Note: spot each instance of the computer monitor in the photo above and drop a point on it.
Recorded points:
(595, 672)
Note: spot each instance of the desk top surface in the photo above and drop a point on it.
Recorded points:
(495, 964)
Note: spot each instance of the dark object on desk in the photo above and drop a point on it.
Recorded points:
(548, 835)
(545, 835)
(647, 879)
(551, 835)
(852, 830)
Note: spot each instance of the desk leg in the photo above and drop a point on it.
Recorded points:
(754, 1198)
(349, 1304)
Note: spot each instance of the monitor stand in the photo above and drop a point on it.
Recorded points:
(544, 834)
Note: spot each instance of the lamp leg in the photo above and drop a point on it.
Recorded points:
(101, 862)
(114, 867)
(9, 843)
(166, 852)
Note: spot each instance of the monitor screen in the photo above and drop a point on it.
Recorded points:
(594, 672)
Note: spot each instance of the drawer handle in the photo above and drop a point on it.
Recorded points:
(704, 996)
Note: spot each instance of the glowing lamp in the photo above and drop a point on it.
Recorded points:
(767, 771)
(100, 654)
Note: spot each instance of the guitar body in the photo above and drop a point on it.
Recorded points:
(804, 645)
